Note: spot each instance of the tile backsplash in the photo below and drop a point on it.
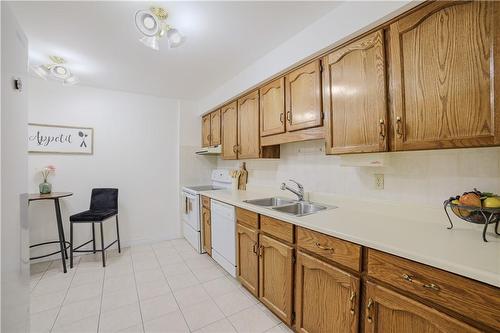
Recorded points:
(420, 177)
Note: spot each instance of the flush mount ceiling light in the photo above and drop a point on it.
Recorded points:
(152, 24)
(56, 70)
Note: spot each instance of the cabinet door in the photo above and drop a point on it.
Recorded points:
(303, 97)
(355, 102)
(388, 311)
(246, 258)
(248, 126)
(272, 108)
(275, 277)
(326, 297)
(442, 75)
(215, 128)
(207, 230)
(205, 131)
(229, 131)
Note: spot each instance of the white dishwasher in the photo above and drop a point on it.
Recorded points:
(224, 235)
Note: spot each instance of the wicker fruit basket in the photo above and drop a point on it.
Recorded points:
(473, 214)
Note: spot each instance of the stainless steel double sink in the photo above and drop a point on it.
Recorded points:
(289, 206)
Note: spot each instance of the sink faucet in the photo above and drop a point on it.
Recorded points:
(299, 192)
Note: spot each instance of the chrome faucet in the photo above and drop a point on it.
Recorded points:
(299, 192)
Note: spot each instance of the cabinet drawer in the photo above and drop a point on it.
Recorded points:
(343, 252)
(205, 202)
(247, 217)
(469, 298)
(277, 228)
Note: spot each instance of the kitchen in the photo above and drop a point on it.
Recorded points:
(346, 180)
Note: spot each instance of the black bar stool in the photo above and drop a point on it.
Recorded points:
(103, 206)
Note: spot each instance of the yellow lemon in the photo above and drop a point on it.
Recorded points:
(491, 202)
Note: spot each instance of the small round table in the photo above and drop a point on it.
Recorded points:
(63, 244)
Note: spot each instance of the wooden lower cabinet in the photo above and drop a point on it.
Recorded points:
(247, 263)
(388, 311)
(326, 298)
(207, 230)
(276, 277)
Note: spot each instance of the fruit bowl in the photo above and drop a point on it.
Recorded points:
(477, 214)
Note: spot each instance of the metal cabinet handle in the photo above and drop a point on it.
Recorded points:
(234, 149)
(326, 248)
(282, 115)
(289, 116)
(352, 300)
(369, 308)
(186, 205)
(382, 128)
(411, 278)
(255, 248)
(431, 286)
(398, 127)
(261, 251)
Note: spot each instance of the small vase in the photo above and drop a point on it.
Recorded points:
(45, 188)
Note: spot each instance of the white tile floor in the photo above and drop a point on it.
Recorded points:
(163, 287)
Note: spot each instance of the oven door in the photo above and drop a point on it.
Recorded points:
(191, 210)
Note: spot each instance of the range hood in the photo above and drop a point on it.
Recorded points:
(214, 150)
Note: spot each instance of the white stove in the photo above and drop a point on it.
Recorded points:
(191, 212)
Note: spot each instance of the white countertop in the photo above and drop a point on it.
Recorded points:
(412, 232)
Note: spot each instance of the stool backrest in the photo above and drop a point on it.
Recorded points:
(104, 198)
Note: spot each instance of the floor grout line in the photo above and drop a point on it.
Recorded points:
(171, 290)
(137, 292)
(100, 303)
(191, 268)
(64, 298)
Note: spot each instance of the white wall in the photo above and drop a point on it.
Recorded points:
(13, 163)
(136, 149)
(422, 177)
(348, 19)
(194, 169)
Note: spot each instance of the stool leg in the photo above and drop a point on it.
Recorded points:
(102, 248)
(93, 237)
(71, 244)
(118, 235)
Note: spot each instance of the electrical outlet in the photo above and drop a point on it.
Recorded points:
(379, 181)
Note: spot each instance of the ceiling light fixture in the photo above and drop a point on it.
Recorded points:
(152, 24)
(56, 70)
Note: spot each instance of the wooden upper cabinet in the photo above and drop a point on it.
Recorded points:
(443, 67)
(248, 126)
(205, 131)
(247, 260)
(215, 128)
(276, 276)
(303, 97)
(326, 298)
(272, 108)
(388, 311)
(229, 136)
(355, 102)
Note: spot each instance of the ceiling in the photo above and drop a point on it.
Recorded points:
(100, 42)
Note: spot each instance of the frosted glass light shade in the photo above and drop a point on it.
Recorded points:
(151, 42)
